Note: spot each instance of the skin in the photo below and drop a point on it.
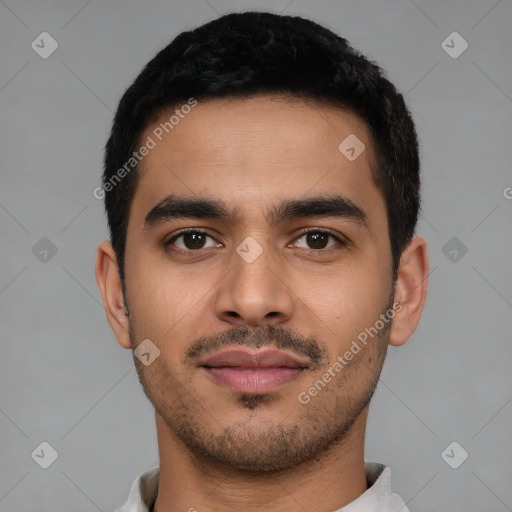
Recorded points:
(226, 451)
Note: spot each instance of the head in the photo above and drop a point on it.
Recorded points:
(292, 164)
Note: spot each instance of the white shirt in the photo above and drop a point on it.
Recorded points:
(377, 498)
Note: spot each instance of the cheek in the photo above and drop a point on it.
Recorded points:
(165, 300)
(346, 301)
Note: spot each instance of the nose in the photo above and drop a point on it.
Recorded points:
(255, 292)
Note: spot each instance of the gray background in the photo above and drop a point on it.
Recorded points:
(64, 379)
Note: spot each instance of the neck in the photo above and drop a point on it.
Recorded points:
(330, 482)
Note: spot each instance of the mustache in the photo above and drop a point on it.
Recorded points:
(266, 336)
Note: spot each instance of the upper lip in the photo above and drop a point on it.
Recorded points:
(245, 358)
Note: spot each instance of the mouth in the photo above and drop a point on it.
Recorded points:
(247, 371)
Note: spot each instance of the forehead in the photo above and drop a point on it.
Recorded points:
(247, 152)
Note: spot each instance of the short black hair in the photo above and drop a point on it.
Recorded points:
(252, 53)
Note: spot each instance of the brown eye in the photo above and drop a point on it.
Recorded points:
(317, 240)
(192, 240)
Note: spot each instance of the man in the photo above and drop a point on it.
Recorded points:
(262, 189)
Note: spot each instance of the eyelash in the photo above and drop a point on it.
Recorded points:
(305, 231)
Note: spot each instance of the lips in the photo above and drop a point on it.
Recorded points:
(243, 358)
(246, 371)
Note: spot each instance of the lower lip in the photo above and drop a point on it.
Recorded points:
(254, 380)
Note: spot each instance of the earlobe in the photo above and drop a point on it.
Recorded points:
(410, 291)
(110, 286)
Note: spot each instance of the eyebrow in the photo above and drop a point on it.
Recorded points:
(173, 207)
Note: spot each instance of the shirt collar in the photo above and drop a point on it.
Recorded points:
(377, 498)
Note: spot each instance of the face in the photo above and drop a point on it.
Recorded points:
(257, 254)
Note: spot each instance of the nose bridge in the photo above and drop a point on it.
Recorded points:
(254, 290)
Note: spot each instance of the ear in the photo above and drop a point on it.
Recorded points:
(410, 291)
(109, 283)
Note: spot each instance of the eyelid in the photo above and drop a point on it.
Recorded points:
(184, 231)
(340, 239)
(327, 231)
(187, 230)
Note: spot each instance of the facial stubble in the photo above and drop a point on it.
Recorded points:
(259, 444)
